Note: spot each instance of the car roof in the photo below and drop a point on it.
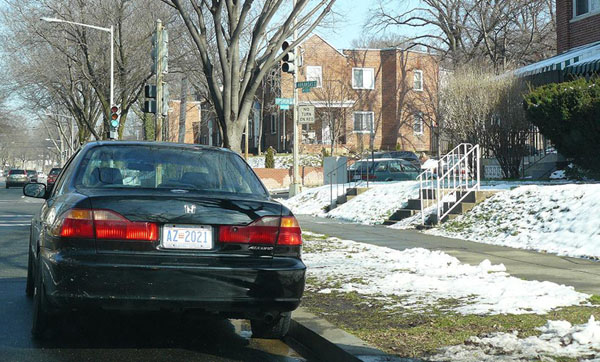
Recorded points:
(190, 146)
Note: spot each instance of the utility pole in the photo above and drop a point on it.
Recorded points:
(158, 123)
(295, 186)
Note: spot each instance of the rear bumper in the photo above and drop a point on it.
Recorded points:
(16, 183)
(116, 282)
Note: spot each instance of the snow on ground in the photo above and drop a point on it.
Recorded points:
(312, 201)
(370, 207)
(286, 161)
(418, 278)
(557, 339)
(561, 219)
(377, 204)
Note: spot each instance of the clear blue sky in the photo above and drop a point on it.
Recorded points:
(354, 15)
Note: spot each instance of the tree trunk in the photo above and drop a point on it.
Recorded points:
(183, 109)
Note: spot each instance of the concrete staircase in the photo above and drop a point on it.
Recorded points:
(351, 193)
(428, 196)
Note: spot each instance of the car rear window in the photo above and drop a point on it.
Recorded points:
(16, 172)
(55, 171)
(31, 172)
(160, 167)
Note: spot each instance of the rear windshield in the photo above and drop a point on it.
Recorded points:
(159, 167)
(16, 172)
(55, 171)
(29, 172)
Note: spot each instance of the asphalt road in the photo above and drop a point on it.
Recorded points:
(109, 336)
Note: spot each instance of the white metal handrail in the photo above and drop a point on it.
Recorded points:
(458, 171)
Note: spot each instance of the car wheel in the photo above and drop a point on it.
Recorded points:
(275, 329)
(29, 286)
(7, 186)
(41, 317)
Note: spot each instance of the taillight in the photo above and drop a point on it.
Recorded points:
(102, 224)
(266, 230)
(110, 225)
(289, 232)
(76, 223)
(370, 177)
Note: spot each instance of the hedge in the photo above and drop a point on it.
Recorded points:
(568, 114)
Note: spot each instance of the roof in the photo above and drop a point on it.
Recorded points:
(155, 143)
(585, 53)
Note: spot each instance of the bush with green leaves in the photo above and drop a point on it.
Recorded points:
(270, 158)
(568, 114)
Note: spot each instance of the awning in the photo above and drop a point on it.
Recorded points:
(585, 68)
(577, 56)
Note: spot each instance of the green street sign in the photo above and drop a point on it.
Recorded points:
(309, 84)
(284, 106)
(306, 90)
(284, 101)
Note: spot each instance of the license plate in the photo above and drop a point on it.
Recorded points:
(195, 237)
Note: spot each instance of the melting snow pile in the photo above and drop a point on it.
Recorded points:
(286, 161)
(312, 201)
(370, 207)
(377, 204)
(558, 339)
(561, 219)
(420, 278)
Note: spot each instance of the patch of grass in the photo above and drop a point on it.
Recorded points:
(595, 299)
(409, 333)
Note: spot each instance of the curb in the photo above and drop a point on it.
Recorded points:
(325, 342)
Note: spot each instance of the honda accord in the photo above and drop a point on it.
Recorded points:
(137, 226)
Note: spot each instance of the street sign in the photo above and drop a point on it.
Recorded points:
(284, 106)
(308, 84)
(284, 101)
(306, 114)
(306, 90)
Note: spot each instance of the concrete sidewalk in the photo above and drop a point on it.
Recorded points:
(582, 274)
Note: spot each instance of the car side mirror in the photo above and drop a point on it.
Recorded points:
(35, 189)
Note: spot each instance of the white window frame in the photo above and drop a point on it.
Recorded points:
(274, 123)
(589, 12)
(319, 79)
(415, 72)
(418, 116)
(367, 131)
(369, 70)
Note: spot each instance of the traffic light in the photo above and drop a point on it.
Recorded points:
(114, 121)
(150, 102)
(288, 65)
(160, 52)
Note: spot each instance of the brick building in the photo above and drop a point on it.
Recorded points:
(577, 23)
(578, 44)
(390, 91)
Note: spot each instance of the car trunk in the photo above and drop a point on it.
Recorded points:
(177, 210)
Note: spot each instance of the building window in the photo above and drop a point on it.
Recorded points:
(363, 78)
(418, 80)
(418, 123)
(363, 122)
(315, 73)
(583, 7)
(273, 123)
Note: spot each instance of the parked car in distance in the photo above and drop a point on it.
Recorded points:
(32, 175)
(383, 169)
(404, 155)
(52, 175)
(157, 226)
(16, 177)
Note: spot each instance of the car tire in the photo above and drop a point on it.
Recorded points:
(29, 287)
(41, 317)
(275, 329)
(7, 186)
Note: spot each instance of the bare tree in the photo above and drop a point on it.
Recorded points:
(248, 40)
(503, 32)
(482, 108)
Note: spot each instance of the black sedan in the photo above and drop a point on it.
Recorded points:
(158, 226)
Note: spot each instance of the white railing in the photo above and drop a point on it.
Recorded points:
(452, 179)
